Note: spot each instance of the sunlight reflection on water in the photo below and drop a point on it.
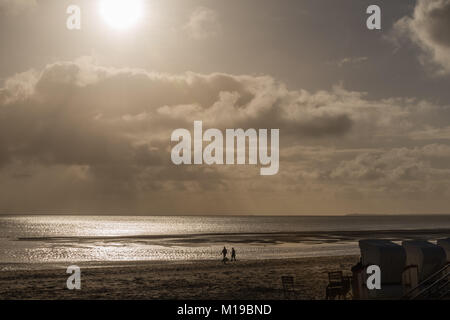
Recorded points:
(101, 238)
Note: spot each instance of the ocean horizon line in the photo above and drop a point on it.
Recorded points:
(224, 215)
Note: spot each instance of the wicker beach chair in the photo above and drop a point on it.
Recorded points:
(288, 287)
(338, 285)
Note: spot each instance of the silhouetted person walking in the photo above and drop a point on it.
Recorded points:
(233, 254)
(224, 252)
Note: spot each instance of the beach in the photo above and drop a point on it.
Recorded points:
(160, 257)
(210, 279)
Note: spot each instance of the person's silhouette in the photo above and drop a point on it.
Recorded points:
(233, 254)
(224, 252)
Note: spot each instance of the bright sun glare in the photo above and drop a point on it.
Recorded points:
(121, 14)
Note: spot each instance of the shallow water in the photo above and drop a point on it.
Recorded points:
(53, 239)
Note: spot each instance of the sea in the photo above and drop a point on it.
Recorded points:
(30, 241)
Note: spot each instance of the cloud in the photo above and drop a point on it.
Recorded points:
(15, 7)
(203, 23)
(99, 137)
(442, 133)
(428, 28)
(351, 61)
(116, 123)
(418, 172)
(406, 176)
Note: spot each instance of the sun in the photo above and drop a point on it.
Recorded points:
(121, 14)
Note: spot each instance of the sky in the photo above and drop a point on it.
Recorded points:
(364, 115)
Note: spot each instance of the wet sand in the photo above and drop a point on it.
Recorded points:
(306, 237)
(253, 279)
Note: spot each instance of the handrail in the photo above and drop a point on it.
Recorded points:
(437, 282)
(426, 282)
(445, 293)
